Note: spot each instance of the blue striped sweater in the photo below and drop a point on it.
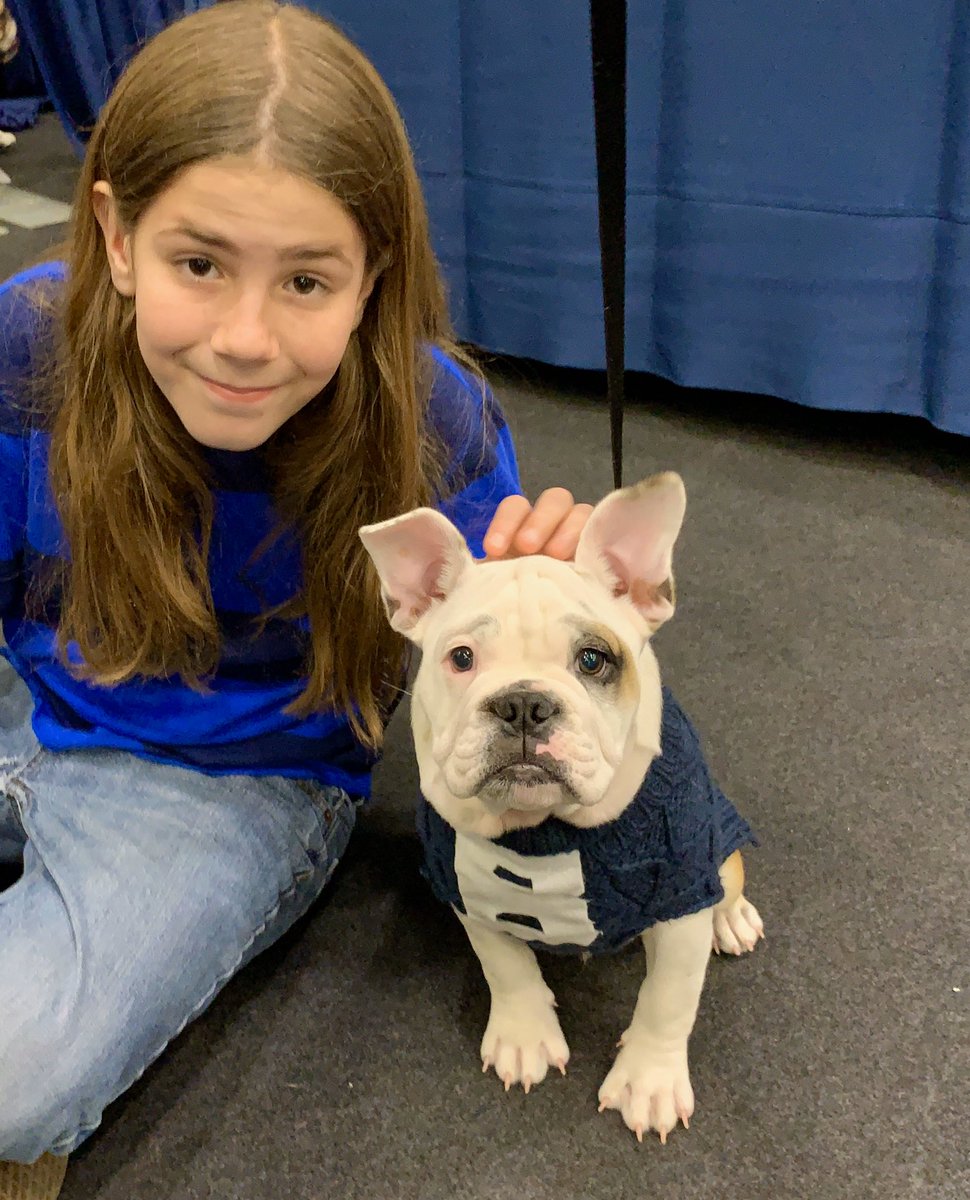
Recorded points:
(240, 725)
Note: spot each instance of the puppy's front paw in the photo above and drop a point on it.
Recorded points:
(650, 1087)
(523, 1039)
(737, 928)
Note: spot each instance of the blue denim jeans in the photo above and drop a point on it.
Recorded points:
(145, 887)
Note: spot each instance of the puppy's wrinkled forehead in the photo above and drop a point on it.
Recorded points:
(532, 604)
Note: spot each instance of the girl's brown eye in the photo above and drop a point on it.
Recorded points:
(199, 266)
(462, 658)
(305, 284)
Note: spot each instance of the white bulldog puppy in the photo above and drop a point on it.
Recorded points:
(567, 805)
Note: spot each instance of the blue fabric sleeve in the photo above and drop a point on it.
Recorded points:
(18, 331)
(473, 507)
(482, 469)
(12, 515)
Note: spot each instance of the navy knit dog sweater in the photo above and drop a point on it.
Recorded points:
(592, 890)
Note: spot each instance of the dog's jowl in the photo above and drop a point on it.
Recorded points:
(567, 806)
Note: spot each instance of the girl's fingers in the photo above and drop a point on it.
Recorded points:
(552, 527)
(505, 523)
(539, 526)
(564, 541)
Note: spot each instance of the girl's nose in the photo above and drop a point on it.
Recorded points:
(243, 332)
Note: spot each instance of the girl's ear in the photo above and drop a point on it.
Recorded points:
(117, 240)
(377, 269)
(365, 290)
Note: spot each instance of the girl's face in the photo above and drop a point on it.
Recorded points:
(248, 282)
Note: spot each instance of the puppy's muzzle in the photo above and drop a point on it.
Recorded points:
(523, 719)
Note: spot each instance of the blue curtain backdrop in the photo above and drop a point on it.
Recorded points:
(799, 173)
(81, 47)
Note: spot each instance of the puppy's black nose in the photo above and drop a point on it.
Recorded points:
(523, 712)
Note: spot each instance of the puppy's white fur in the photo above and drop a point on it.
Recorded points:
(528, 628)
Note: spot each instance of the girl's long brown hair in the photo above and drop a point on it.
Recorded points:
(131, 485)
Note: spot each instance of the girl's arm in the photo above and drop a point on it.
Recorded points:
(489, 509)
(11, 522)
(17, 326)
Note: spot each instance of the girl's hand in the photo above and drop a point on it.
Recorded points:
(552, 527)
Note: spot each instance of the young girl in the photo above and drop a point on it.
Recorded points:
(244, 358)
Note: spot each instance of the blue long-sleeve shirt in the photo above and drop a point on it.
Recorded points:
(239, 725)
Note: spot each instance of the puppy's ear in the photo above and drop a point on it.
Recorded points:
(419, 557)
(628, 544)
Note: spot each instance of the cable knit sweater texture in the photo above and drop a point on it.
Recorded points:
(573, 890)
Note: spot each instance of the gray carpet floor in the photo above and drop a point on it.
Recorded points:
(822, 646)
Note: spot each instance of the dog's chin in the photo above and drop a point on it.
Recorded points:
(523, 793)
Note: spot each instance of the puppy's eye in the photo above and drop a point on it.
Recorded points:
(591, 661)
(462, 658)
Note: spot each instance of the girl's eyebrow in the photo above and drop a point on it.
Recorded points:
(299, 253)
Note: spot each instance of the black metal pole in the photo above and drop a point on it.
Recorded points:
(608, 39)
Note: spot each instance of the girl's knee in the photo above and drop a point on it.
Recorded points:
(49, 1089)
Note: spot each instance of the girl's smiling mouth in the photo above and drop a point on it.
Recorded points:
(226, 391)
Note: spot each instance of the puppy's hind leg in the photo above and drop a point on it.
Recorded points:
(737, 924)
